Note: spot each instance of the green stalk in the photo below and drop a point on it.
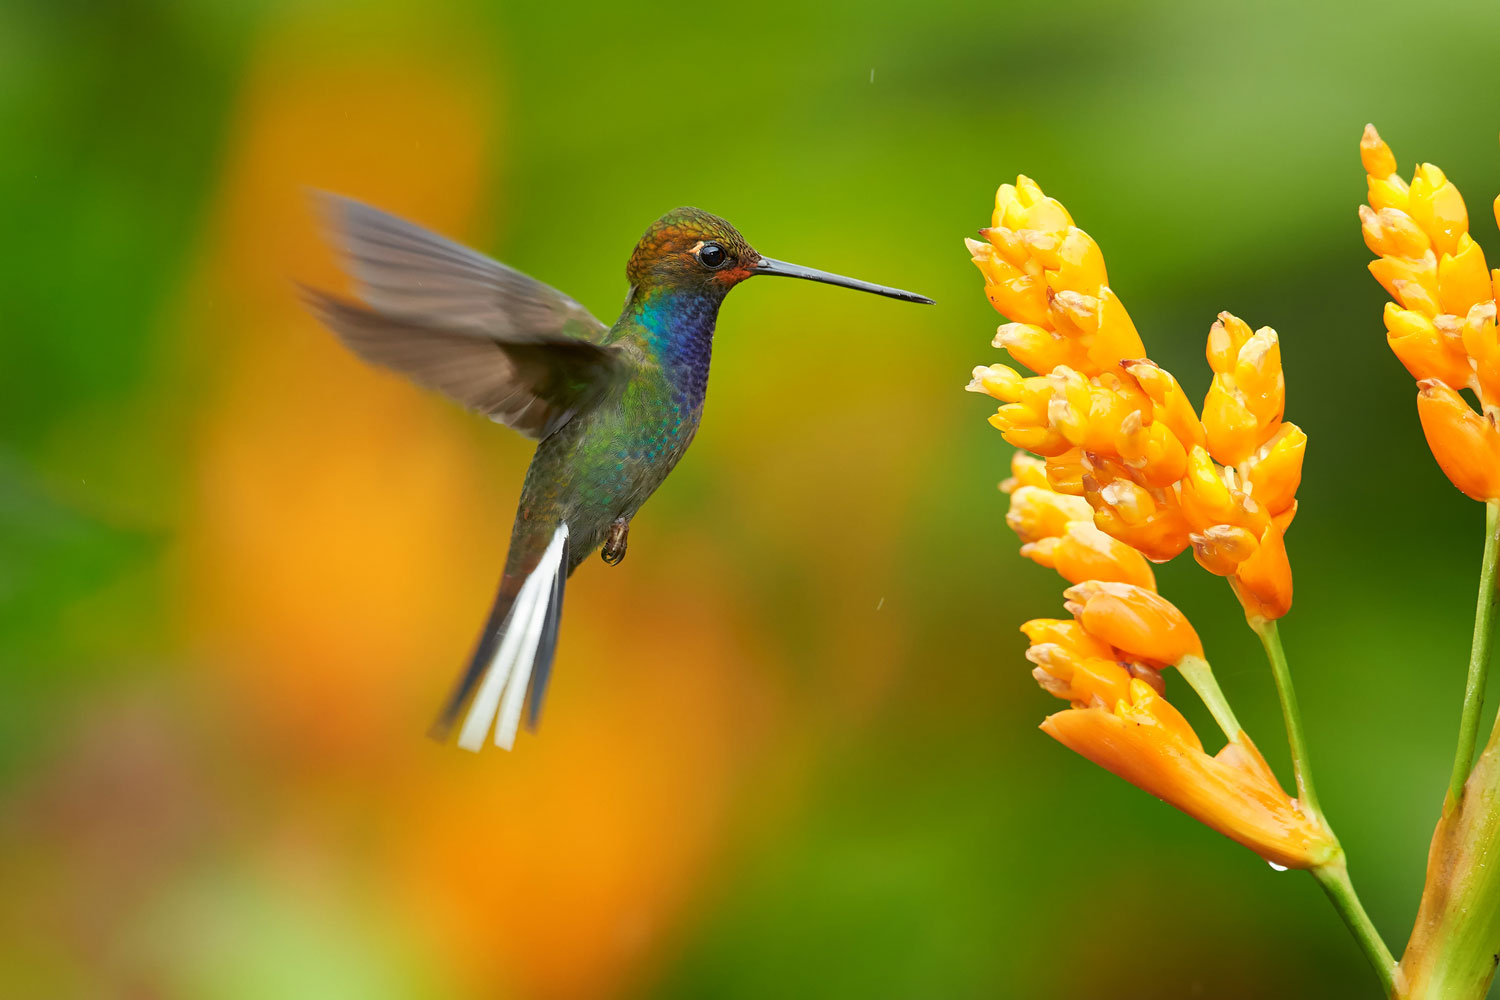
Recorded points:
(1455, 945)
(1479, 659)
(1270, 638)
(1451, 954)
(1334, 878)
(1196, 671)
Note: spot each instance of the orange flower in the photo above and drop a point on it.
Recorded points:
(1146, 741)
(1442, 323)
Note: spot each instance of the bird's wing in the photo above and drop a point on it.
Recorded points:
(403, 270)
(454, 320)
(533, 383)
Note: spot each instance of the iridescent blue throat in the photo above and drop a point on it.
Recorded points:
(679, 328)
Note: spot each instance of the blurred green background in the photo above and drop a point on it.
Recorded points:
(791, 747)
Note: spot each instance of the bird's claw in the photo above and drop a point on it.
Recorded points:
(614, 543)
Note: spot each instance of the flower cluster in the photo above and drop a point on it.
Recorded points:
(1117, 430)
(1442, 322)
(1107, 662)
(1128, 473)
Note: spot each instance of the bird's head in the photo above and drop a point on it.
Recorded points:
(690, 250)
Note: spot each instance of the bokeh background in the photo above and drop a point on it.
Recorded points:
(791, 746)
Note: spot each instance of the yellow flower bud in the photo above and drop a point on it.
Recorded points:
(1025, 470)
(1065, 472)
(1463, 278)
(1388, 192)
(1086, 553)
(1263, 582)
(1074, 314)
(1007, 206)
(1422, 348)
(1391, 232)
(1037, 513)
(1066, 632)
(1151, 450)
(1206, 499)
(1021, 298)
(1080, 264)
(1017, 424)
(1039, 349)
(1172, 406)
(1008, 244)
(1138, 621)
(1377, 157)
(1274, 472)
(1221, 548)
(1465, 444)
(1435, 205)
(1244, 404)
(1129, 512)
(1226, 338)
(1117, 339)
(1394, 272)
(996, 381)
(1482, 346)
(1232, 430)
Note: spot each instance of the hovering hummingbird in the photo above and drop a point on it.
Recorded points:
(613, 407)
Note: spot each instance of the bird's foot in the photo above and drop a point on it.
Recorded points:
(614, 543)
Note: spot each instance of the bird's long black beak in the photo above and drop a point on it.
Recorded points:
(768, 265)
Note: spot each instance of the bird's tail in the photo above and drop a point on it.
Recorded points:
(515, 651)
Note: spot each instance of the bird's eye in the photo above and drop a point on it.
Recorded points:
(712, 256)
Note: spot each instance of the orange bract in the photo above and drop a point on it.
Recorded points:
(1101, 663)
(1146, 741)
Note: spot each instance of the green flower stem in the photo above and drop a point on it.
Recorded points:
(1270, 638)
(1451, 954)
(1196, 671)
(1479, 658)
(1453, 947)
(1332, 875)
(1334, 878)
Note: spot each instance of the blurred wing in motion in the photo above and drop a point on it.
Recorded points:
(403, 270)
(456, 321)
(534, 385)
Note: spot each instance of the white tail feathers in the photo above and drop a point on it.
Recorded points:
(502, 693)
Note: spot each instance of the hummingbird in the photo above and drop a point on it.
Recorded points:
(613, 408)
